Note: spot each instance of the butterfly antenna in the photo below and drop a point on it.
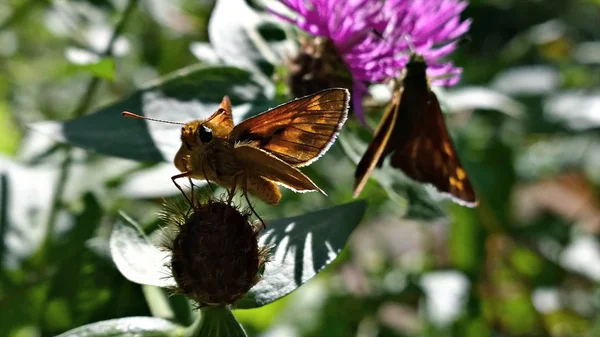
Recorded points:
(209, 119)
(465, 39)
(406, 37)
(213, 116)
(378, 34)
(132, 115)
(410, 44)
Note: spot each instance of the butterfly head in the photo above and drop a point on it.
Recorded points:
(201, 132)
(416, 65)
(195, 134)
(415, 73)
(416, 58)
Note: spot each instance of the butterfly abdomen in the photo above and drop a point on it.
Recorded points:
(264, 189)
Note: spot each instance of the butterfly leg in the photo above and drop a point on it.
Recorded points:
(245, 192)
(182, 175)
(231, 191)
(191, 188)
(207, 181)
(264, 224)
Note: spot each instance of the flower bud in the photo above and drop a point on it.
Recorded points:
(215, 254)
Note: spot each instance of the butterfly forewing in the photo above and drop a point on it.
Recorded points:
(298, 132)
(375, 149)
(222, 118)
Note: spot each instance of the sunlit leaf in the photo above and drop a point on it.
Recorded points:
(137, 258)
(28, 194)
(235, 33)
(204, 52)
(130, 326)
(303, 246)
(190, 93)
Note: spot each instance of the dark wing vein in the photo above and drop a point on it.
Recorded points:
(299, 131)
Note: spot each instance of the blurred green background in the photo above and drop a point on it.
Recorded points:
(524, 118)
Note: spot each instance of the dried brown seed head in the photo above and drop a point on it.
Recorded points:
(216, 258)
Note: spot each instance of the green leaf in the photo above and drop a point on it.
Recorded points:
(10, 132)
(303, 246)
(190, 93)
(104, 68)
(130, 326)
(238, 38)
(3, 212)
(218, 322)
(137, 258)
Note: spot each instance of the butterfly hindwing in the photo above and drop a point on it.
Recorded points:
(300, 131)
(266, 165)
(428, 154)
(418, 141)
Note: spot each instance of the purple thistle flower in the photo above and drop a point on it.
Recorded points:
(432, 26)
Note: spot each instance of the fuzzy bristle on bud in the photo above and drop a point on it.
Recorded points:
(215, 258)
(316, 67)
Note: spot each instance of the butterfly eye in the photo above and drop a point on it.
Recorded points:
(205, 134)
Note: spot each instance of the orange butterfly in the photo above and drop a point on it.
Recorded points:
(413, 132)
(264, 150)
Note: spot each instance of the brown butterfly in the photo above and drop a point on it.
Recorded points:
(264, 150)
(413, 132)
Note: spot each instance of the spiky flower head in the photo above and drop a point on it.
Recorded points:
(432, 26)
(215, 257)
(316, 67)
